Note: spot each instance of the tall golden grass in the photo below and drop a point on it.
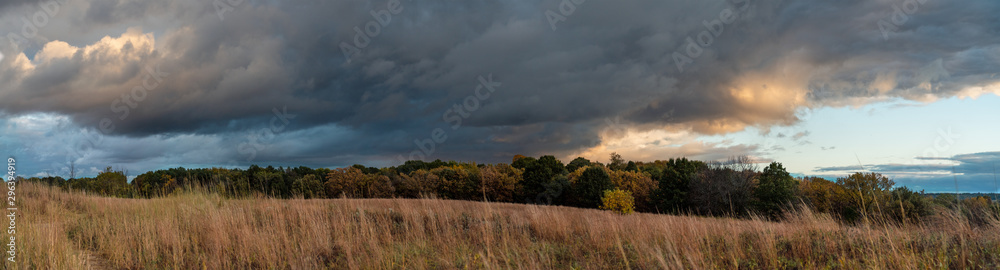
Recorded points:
(63, 230)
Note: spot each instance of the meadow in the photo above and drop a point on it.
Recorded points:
(201, 230)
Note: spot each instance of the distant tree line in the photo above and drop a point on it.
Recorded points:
(736, 187)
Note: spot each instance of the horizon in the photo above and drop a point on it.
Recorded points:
(131, 177)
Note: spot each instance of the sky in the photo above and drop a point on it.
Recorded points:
(827, 88)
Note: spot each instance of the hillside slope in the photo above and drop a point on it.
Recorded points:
(205, 231)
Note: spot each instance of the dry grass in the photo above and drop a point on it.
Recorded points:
(195, 231)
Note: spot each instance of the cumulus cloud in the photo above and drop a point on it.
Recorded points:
(607, 60)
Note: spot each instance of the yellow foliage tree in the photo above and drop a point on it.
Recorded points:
(639, 184)
(618, 200)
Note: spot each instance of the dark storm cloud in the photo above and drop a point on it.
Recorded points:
(608, 59)
(16, 3)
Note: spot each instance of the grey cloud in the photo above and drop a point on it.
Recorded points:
(974, 172)
(607, 60)
(971, 164)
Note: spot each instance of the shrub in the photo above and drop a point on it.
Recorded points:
(980, 211)
(907, 205)
(618, 200)
(946, 200)
(111, 183)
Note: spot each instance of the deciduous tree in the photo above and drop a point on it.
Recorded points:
(775, 190)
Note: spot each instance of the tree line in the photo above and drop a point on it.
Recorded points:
(736, 187)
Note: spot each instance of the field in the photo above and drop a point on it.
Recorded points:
(198, 230)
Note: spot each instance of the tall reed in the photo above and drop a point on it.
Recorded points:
(198, 230)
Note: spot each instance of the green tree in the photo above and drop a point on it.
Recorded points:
(538, 182)
(552, 164)
(631, 167)
(269, 182)
(590, 187)
(111, 183)
(367, 170)
(577, 163)
(775, 189)
(309, 187)
(149, 184)
(675, 184)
